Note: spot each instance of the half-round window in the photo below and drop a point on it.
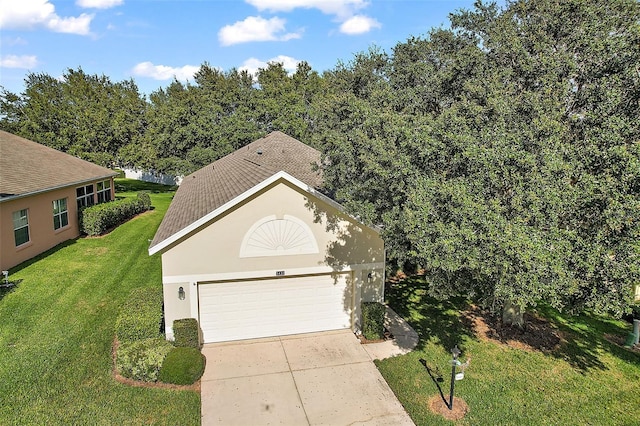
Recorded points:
(278, 237)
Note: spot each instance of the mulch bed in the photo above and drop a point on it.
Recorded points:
(438, 406)
(537, 334)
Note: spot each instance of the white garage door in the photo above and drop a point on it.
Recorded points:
(273, 307)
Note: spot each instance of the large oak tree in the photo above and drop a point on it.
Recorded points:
(502, 154)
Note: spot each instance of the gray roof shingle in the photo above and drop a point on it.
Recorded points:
(214, 185)
(27, 167)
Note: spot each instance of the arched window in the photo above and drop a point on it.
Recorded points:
(271, 236)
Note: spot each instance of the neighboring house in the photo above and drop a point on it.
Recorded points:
(252, 249)
(41, 190)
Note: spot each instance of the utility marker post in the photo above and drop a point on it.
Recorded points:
(454, 363)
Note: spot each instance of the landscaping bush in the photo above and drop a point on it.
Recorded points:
(140, 316)
(185, 333)
(98, 219)
(144, 199)
(373, 320)
(182, 366)
(142, 359)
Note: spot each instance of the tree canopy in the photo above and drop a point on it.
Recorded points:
(501, 155)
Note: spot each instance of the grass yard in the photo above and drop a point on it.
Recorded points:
(58, 326)
(586, 380)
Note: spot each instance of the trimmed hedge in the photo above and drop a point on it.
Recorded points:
(98, 219)
(373, 320)
(140, 316)
(185, 333)
(142, 359)
(182, 366)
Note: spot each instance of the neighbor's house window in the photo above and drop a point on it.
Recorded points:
(84, 196)
(104, 191)
(60, 214)
(21, 227)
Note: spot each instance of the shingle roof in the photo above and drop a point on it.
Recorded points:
(27, 167)
(214, 185)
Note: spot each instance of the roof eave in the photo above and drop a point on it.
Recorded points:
(162, 245)
(53, 188)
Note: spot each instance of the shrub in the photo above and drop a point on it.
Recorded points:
(185, 333)
(98, 219)
(140, 316)
(373, 320)
(182, 366)
(142, 359)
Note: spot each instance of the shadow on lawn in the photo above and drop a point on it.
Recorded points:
(584, 339)
(8, 287)
(431, 318)
(581, 338)
(132, 185)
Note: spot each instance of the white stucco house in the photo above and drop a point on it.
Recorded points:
(251, 248)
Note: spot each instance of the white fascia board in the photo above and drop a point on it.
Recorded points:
(239, 199)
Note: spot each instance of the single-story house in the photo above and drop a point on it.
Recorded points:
(251, 248)
(41, 190)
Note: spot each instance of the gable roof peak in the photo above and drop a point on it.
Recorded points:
(216, 184)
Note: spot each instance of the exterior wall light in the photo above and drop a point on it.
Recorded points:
(181, 294)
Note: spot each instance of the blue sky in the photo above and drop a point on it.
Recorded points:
(152, 41)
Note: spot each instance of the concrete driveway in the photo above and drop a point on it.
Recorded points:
(310, 379)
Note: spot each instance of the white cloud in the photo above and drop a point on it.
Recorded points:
(14, 61)
(252, 65)
(32, 13)
(340, 8)
(255, 28)
(79, 25)
(343, 10)
(99, 4)
(163, 72)
(359, 24)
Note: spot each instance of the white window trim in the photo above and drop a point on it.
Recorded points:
(106, 190)
(86, 196)
(22, 227)
(60, 214)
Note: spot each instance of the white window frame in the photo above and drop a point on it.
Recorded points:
(103, 191)
(85, 199)
(61, 214)
(21, 215)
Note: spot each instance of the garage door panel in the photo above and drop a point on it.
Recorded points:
(262, 308)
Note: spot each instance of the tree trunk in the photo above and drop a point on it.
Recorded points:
(512, 315)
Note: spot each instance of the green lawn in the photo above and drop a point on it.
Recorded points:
(586, 381)
(57, 329)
